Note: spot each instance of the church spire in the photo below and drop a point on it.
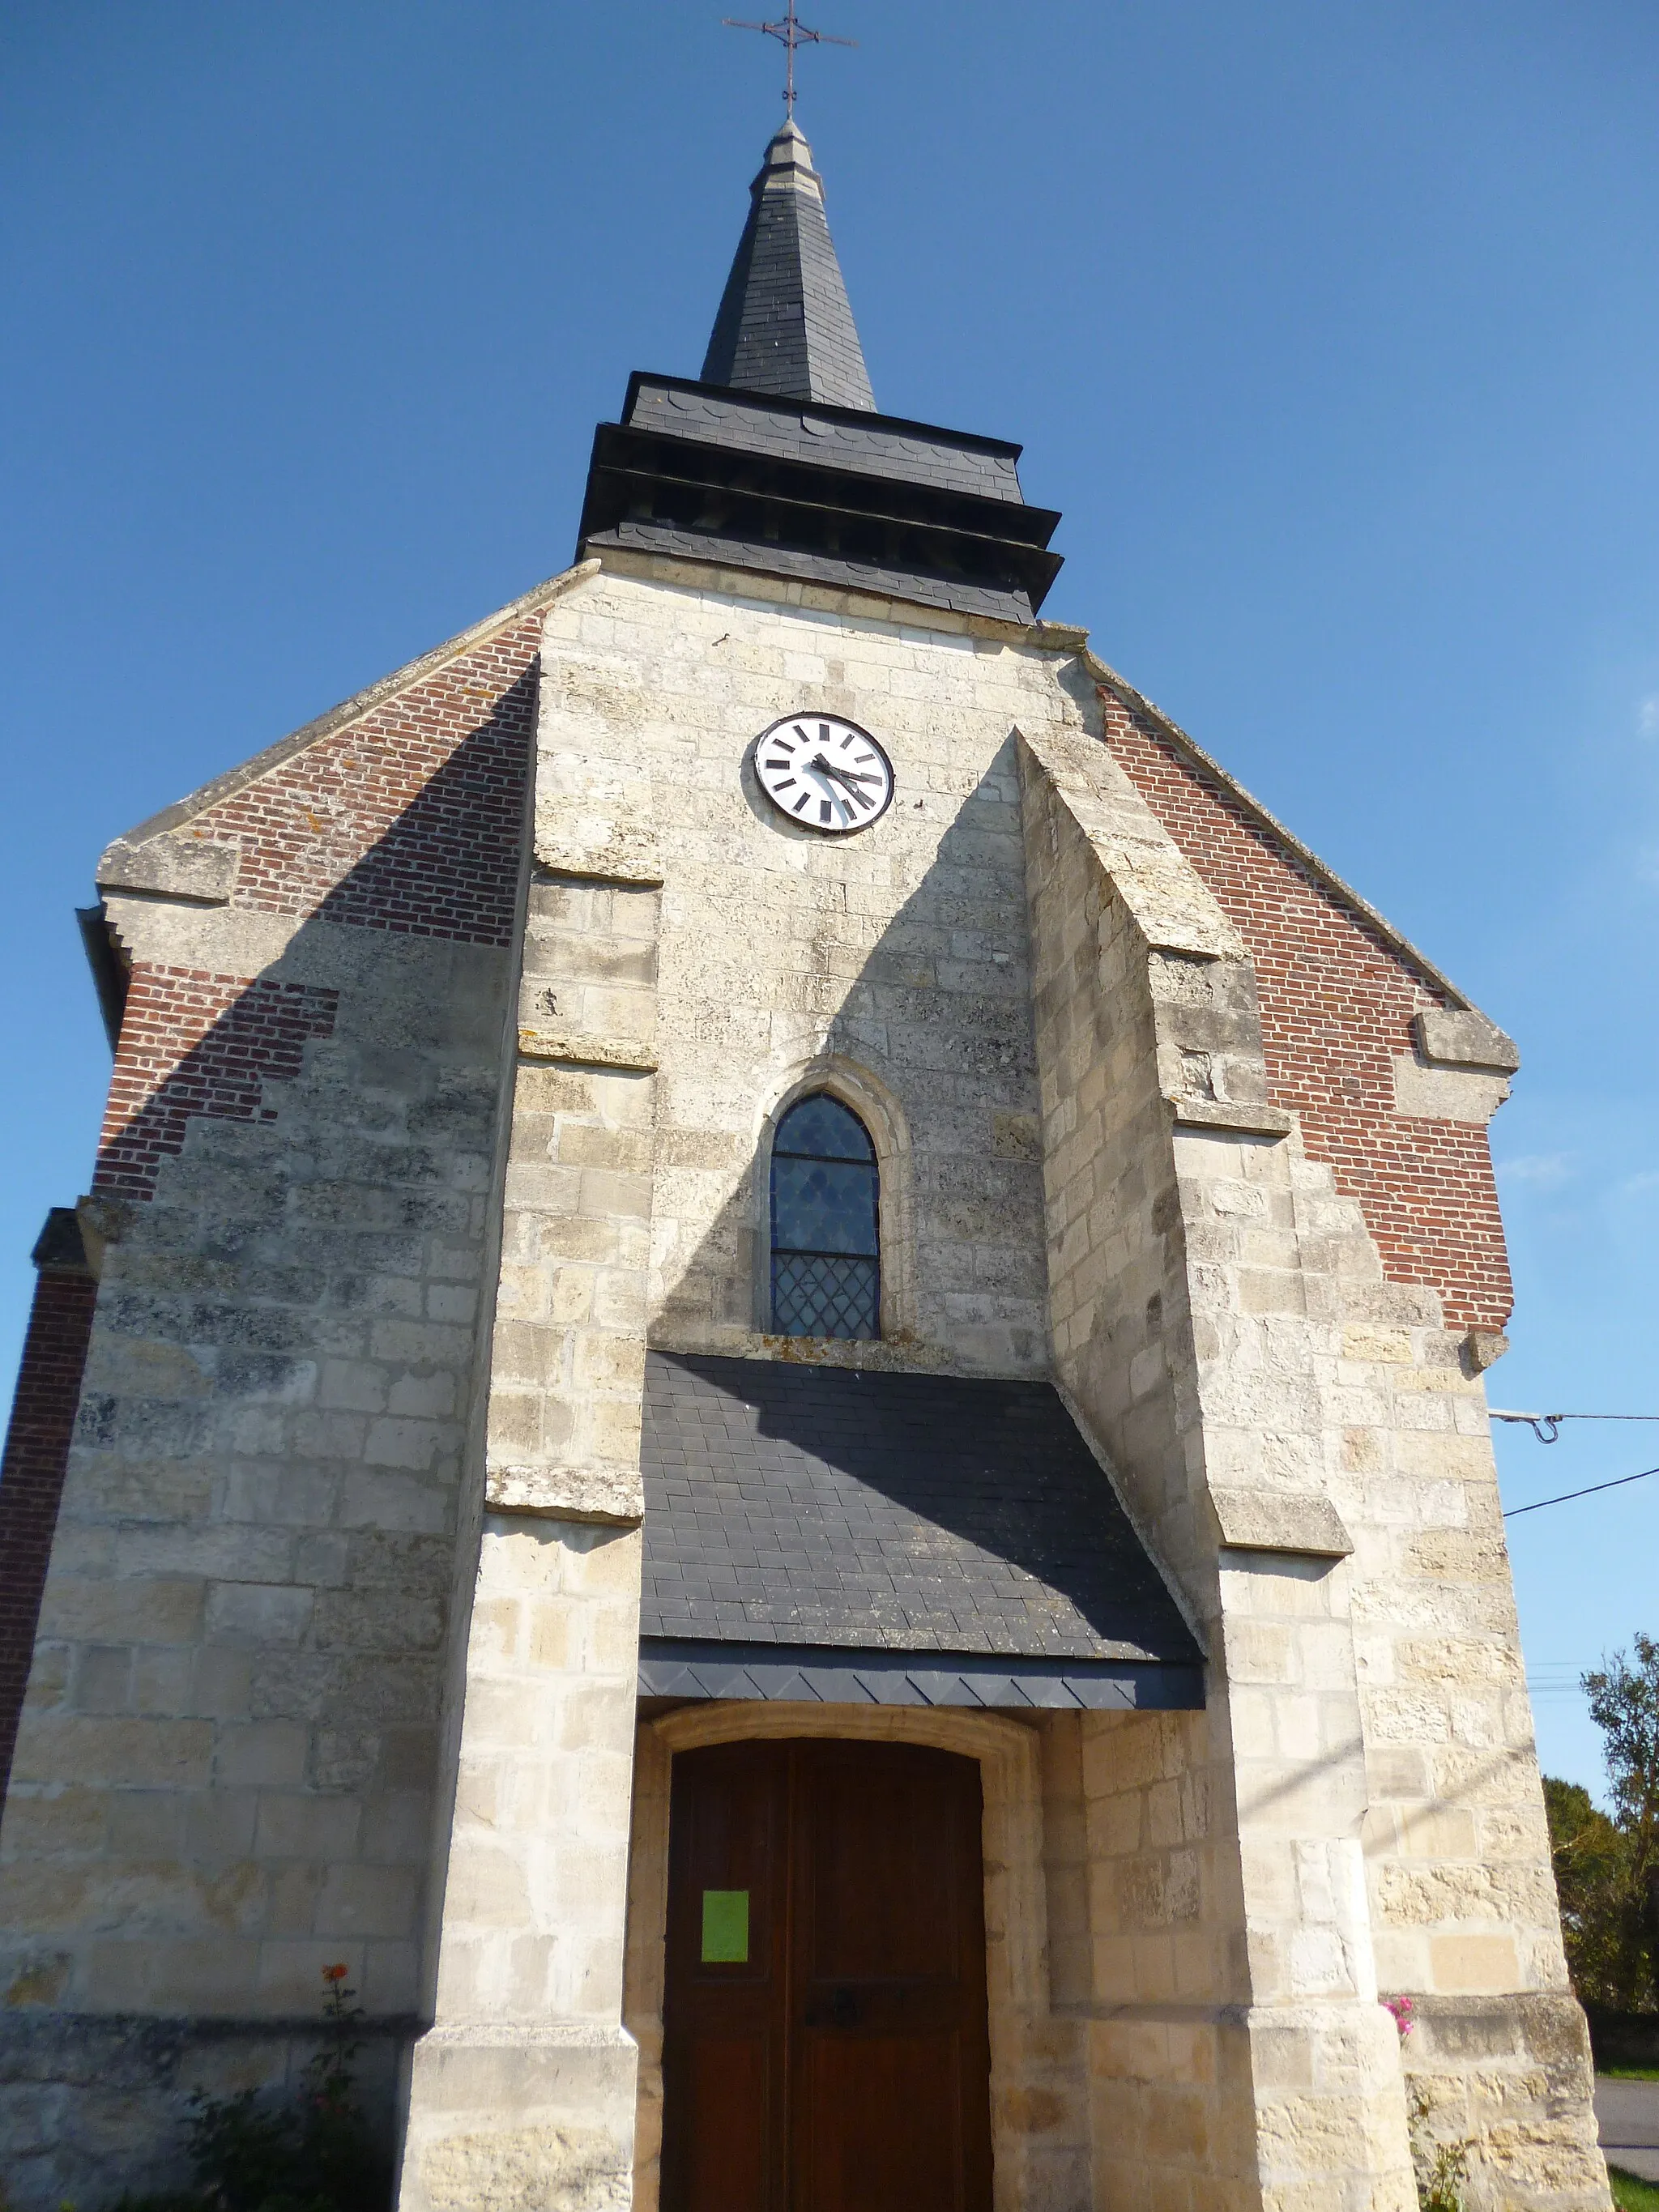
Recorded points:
(784, 325)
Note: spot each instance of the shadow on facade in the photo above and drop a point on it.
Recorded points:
(933, 1023)
(446, 868)
(936, 1018)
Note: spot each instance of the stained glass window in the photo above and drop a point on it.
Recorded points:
(826, 1265)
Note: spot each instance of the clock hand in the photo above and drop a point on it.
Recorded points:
(848, 784)
(849, 776)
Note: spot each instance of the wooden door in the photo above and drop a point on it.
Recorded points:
(825, 2046)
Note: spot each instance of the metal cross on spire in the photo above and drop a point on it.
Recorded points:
(792, 34)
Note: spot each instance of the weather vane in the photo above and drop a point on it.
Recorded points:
(792, 34)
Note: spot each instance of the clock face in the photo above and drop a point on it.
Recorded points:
(828, 775)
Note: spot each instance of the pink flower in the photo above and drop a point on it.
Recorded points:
(1405, 2013)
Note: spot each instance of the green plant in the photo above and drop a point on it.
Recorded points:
(1631, 2193)
(1607, 1868)
(1624, 1703)
(1441, 2168)
(316, 2154)
(1604, 1909)
(1591, 1861)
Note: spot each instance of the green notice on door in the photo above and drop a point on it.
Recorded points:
(725, 1927)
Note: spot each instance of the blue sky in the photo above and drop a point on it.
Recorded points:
(1333, 329)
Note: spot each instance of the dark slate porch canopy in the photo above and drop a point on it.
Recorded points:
(820, 1532)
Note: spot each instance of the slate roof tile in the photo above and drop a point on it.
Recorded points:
(887, 1512)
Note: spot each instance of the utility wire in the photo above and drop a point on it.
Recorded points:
(1546, 1427)
(1538, 1423)
(1539, 1504)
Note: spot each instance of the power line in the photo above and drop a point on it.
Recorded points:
(1538, 1423)
(1539, 1504)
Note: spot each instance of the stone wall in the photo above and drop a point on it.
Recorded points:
(524, 2089)
(37, 1452)
(1225, 1866)
(1463, 1901)
(1213, 1294)
(1170, 2063)
(1395, 1189)
(690, 964)
(1209, 1873)
(225, 1778)
(1339, 1000)
(893, 964)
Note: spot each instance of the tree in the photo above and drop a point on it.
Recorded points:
(1592, 1877)
(1624, 1703)
(1607, 1869)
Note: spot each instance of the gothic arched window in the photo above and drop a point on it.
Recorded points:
(826, 1265)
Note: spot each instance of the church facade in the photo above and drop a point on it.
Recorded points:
(771, 1397)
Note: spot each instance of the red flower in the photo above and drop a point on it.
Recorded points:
(335, 1973)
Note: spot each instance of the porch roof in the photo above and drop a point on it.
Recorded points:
(831, 1532)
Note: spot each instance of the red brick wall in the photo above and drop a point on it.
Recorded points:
(409, 819)
(196, 1044)
(32, 1475)
(1337, 1001)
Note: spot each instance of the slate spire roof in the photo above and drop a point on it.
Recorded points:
(775, 460)
(784, 325)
